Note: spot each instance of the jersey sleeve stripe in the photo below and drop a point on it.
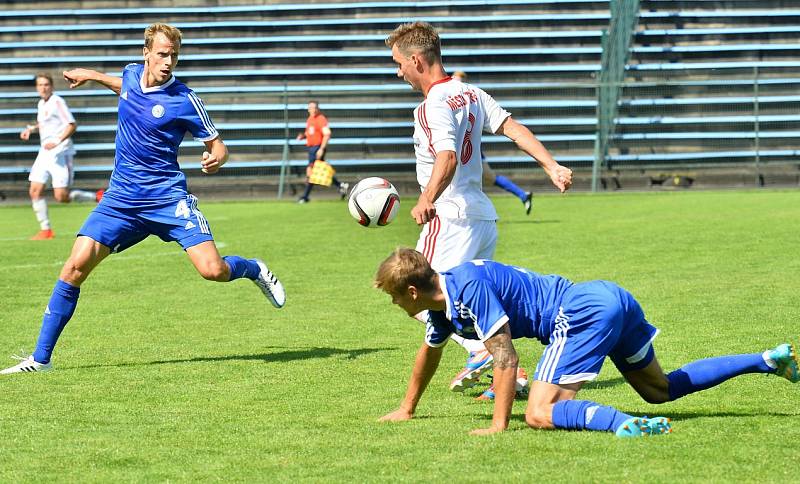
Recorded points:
(201, 112)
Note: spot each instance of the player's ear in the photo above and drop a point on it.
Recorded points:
(413, 292)
(145, 51)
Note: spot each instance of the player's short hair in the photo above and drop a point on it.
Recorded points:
(417, 37)
(405, 267)
(314, 102)
(43, 75)
(172, 33)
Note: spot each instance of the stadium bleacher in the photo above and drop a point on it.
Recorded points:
(709, 83)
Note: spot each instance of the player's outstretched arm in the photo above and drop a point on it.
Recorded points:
(425, 366)
(504, 379)
(78, 77)
(214, 157)
(561, 176)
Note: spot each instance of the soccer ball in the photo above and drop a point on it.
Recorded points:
(374, 202)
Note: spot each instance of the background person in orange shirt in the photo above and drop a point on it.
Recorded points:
(317, 135)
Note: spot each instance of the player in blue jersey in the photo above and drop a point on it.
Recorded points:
(581, 324)
(147, 193)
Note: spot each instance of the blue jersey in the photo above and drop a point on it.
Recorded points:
(152, 122)
(481, 296)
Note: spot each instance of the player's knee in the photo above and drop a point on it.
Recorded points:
(62, 197)
(538, 418)
(214, 270)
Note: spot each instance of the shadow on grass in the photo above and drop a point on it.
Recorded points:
(278, 356)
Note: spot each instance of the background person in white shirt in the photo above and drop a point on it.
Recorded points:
(55, 125)
(459, 221)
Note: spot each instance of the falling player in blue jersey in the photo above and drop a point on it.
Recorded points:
(581, 324)
(147, 193)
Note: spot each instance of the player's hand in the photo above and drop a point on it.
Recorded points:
(321, 153)
(300, 136)
(25, 135)
(561, 177)
(209, 163)
(77, 77)
(491, 430)
(424, 211)
(50, 145)
(399, 415)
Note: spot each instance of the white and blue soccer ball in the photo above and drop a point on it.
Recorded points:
(374, 202)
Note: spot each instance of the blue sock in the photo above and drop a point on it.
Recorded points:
(509, 186)
(586, 415)
(56, 316)
(241, 267)
(702, 374)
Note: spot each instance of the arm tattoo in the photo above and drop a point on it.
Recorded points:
(501, 348)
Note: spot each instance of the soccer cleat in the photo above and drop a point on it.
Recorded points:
(270, 285)
(44, 235)
(528, 202)
(26, 365)
(302, 200)
(785, 357)
(644, 427)
(343, 188)
(478, 362)
(521, 386)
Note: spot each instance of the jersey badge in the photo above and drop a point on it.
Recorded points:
(158, 111)
(189, 225)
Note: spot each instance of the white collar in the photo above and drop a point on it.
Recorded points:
(154, 88)
(443, 286)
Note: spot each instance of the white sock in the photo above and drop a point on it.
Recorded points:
(471, 345)
(769, 361)
(82, 196)
(40, 209)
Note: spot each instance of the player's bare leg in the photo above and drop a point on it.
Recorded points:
(213, 267)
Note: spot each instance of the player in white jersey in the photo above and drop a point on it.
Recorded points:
(459, 219)
(55, 125)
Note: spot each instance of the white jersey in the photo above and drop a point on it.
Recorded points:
(53, 117)
(452, 118)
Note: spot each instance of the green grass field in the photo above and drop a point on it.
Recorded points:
(162, 376)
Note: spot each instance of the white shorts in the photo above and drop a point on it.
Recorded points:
(447, 242)
(57, 167)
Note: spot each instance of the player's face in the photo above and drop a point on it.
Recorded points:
(406, 67)
(313, 109)
(160, 60)
(44, 88)
(408, 301)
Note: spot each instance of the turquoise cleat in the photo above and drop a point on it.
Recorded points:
(785, 357)
(644, 427)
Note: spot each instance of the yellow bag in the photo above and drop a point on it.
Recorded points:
(321, 173)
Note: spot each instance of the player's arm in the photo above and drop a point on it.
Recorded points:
(78, 77)
(425, 366)
(525, 140)
(444, 169)
(326, 136)
(25, 134)
(504, 379)
(215, 156)
(69, 130)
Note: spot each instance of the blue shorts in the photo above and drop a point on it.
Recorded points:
(596, 319)
(312, 154)
(120, 228)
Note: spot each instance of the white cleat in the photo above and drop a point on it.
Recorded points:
(27, 365)
(270, 285)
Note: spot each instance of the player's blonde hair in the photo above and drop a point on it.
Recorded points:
(405, 267)
(172, 33)
(43, 75)
(417, 37)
